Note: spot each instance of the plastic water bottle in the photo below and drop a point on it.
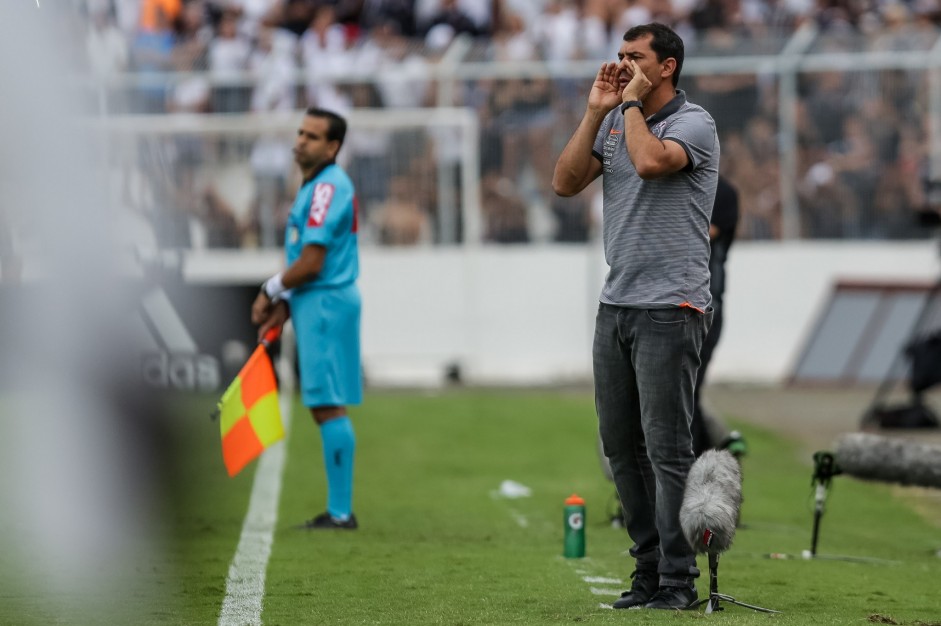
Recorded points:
(574, 519)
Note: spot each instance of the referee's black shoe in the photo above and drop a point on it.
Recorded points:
(325, 521)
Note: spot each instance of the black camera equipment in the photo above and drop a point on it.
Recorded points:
(922, 354)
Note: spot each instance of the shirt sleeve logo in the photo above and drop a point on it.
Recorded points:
(320, 204)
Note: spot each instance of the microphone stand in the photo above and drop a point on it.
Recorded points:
(825, 468)
(715, 596)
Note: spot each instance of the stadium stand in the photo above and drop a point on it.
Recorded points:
(824, 109)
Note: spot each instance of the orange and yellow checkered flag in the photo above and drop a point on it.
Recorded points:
(250, 417)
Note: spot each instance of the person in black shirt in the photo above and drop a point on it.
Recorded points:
(721, 234)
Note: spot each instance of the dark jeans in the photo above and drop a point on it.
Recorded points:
(645, 363)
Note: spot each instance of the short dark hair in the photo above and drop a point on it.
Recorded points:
(664, 42)
(336, 125)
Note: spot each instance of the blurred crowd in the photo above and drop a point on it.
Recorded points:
(862, 152)
(234, 35)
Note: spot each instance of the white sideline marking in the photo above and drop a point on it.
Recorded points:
(604, 591)
(602, 580)
(592, 577)
(245, 584)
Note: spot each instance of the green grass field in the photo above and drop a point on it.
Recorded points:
(436, 546)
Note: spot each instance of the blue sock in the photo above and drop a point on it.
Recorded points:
(339, 443)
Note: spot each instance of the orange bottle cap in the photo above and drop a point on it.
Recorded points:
(574, 499)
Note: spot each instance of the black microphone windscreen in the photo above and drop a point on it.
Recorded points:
(711, 502)
(889, 459)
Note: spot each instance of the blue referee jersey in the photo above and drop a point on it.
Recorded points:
(325, 214)
(326, 310)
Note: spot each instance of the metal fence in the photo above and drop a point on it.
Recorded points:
(824, 135)
(228, 181)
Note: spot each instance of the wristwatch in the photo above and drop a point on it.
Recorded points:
(632, 103)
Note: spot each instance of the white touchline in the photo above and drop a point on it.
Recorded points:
(245, 585)
(592, 577)
(602, 579)
(599, 591)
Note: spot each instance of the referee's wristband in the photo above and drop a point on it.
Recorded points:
(274, 287)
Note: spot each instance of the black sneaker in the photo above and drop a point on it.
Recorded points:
(325, 521)
(642, 590)
(679, 598)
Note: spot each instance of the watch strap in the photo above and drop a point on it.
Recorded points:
(632, 103)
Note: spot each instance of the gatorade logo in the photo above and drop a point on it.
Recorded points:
(576, 521)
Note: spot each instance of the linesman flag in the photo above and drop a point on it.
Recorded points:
(250, 415)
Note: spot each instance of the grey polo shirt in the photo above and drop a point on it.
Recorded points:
(656, 232)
